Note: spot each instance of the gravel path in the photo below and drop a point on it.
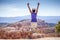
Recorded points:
(47, 38)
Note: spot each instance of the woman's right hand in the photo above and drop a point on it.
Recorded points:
(27, 3)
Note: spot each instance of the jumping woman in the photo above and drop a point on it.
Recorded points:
(33, 15)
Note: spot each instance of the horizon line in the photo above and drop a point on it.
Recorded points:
(20, 16)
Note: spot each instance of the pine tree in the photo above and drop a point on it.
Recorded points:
(58, 27)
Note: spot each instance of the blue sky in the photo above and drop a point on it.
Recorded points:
(13, 8)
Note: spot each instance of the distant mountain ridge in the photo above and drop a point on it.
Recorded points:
(49, 19)
(27, 22)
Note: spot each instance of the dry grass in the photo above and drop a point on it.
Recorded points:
(26, 35)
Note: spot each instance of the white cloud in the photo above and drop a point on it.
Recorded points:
(11, 11)
(49, 11)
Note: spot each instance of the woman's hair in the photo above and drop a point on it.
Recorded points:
(33, 10)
